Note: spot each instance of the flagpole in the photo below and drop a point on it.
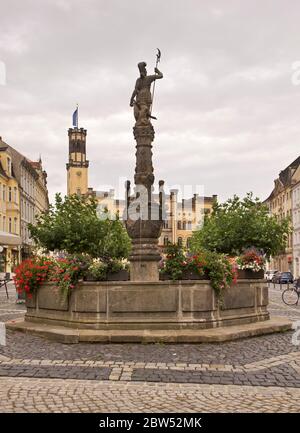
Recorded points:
(77, 115)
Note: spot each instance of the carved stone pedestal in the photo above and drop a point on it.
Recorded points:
(144, 260)
(144, 217)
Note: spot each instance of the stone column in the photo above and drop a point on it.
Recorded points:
(144, 218)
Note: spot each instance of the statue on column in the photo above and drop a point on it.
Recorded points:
(141, 99)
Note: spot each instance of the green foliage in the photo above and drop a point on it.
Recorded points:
(215, 266)
(240, 224)
(220, 272)
(73, 225)
(175, 262)
(99, 270)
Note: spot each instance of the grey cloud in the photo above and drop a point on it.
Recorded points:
(228, 114)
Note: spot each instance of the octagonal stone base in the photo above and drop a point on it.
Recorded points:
(131, 310)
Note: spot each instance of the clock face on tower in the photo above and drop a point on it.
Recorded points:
(78, 173)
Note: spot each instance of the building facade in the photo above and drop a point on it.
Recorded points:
(281, 203)
(32, 194)
(10, 239)
(182, 217)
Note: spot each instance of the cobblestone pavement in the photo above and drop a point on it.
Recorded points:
(255, 374)
(57, 395)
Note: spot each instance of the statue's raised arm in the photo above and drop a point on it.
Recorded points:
(141, 98)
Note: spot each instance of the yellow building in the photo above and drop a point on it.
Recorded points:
(30, 180)
(10, 239)
(182, 217)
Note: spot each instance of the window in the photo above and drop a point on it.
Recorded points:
(15, 195)
(9, 166)
(179, 242)
(9, 194)
(4, 193)
(188, 242)
(166, 240)
(4, 224)
(9, 225)
(179, 225)
(15, 225)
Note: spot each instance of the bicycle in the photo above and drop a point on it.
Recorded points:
(291, 295)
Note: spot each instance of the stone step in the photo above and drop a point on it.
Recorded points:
(214, 335)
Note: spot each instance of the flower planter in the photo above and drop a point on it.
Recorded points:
(244, 274)
(121, 275)
(164, 277)
(90, 277)
(186, 275)
(193, 275)
(31, 300)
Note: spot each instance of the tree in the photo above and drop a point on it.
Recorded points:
(73, 225)
(240, 224)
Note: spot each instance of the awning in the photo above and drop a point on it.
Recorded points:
(9, 239)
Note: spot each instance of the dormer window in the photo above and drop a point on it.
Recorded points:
(9, 166)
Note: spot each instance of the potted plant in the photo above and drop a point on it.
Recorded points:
(97, 271)
(118, 270)
(250, 264)
(195, 267)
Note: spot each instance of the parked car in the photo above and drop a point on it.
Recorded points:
(283, 278)
(270, 274)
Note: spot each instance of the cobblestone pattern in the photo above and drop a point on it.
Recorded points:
(44, 395)
(255, 374)
(269, 360)
(54, 371)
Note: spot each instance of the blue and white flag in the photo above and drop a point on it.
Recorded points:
(75, 118)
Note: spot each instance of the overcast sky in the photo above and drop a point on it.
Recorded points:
(228, 112)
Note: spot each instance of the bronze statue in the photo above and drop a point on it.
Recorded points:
(141, 98)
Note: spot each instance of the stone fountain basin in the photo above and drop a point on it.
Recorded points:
(155, 305)
(163, 311)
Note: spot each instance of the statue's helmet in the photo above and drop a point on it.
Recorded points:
(142, 68)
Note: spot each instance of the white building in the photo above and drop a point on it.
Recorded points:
(296, 228)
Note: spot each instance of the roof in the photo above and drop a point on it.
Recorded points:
(36, 165)
(285, 177)
(284, 174)
(17, 159)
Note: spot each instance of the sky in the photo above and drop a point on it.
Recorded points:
(228, 107)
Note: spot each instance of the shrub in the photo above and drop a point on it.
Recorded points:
(73, 225)
(240, 224)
